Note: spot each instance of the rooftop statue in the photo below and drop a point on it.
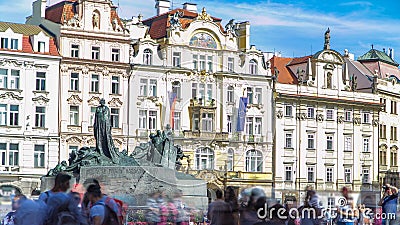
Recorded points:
(327, 44)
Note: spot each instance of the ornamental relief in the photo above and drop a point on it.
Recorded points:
(41, 100)
(375, 122)
(279, 114)
(115, 103)
(74, 100)
(74, 140)
(94, 101)
(320, 117)
(357, 121)
(340, 119)
(10, 96)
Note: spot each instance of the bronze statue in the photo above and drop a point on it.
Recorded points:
(102, 133)
(327, 44)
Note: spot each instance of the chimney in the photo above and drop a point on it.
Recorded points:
(191, 7)
(391, 53)
(39, 8)
(244, 35)
(162, 6)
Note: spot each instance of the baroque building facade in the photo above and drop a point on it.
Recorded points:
(326, 129)
(190, 71)
(29, 73)
(95, 64)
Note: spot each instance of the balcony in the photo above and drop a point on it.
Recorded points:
(223, 136)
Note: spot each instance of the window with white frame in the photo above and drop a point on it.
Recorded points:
(347, 115)
(40, 116)
(393, 107)
(230, 160)
(177, 121)
(288, 140)
(143, 87)
(365, 175)
(202, 62)
(176, 59)
(209, 91)
(288, 110)
(366, 144)
(347, 175)
(142, 119)
(230, 94)
(253, 67)
(74, 82)
(9, 115)
(258, 96)
(153, 88)
(204, 159)
(258, 126)
(9, 154)
(311, 141)
(148, 119)
(249, 126)
(329, 174)
(147, 57)
(14, 44)
(94, 83)
(3, 78)
(74, 115)
(207, 122)
(195, 62)
(199, 90)
(115, 85)
(329, 141)
(249, 95)
(14, 115)
(14, 79)
(329, 114)
(9, 78)
(176, 89)
(288, 173)
(39, 152)
(393, 133)
(95, 53)
(310, 174)
(115, 55)
(194, 90)
(348, 143)
(4, 42)
(75, 51)
(92, 115)
(310, 112)
(254, 161)
(114, 117)
(40, 81)
(366, 117)
(210, 64)
(41, 46)
(231, 64)
(148, 87)
(393, 157)
(152, 120)
(3, 114)
(229, 123)
(196, 121)
(73, 148)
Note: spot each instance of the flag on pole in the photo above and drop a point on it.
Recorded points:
(241, 114)
(172, 100)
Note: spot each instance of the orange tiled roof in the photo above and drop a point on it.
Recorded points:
(60, 11)
(159, 24)
(285, 75)
(28, 48)
(114, 15)
(300, 60)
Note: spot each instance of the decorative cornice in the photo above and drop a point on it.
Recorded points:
(94, 101)
(11, 95)
(74, 140)
(74, 100)
(115, 103)
(41, 99)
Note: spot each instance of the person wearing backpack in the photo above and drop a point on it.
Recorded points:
(100, 212)
(61, 184)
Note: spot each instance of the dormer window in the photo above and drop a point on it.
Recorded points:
(14, 44)
(4, 42)
(253, 67)
(41, 46)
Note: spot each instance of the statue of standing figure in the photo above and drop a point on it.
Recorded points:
(327, 44)
(102, 133)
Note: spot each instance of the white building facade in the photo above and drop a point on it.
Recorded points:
(29, 73)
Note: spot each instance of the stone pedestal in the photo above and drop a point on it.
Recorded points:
(194, 190)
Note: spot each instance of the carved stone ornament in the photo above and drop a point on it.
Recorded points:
(94, 101)
(116, 26)
(340, 119)
(74, 100)
(74, 140)
(174, 21)
(204, 15)
(11, 96)
(320, 117)
(230, 28)
(74, 21)
(105, 71)
(357, 121)
(279, 114)
(375, 122)
(41, 100)
(301, 116)
(115, 103)
(85, 69)
(11, 62)
(64, 68)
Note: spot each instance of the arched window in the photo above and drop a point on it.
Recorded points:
(254, 161)
(230, 160)
(253, 67)
(204, 159)
(147, 57)
(176, 88)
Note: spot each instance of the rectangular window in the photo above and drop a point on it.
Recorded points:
(347, 175)
(366, 144)
(393, 108)
(114, 118)
(288, 140)
(92, 115)
(143, 87)
(142, 119)
(202, 91)
(196, 123)
(115, 85)
(4, 42)
(393, 133)
(195, 62)
(310, 141)
(39, 156)
(153, 88)
(152, 120)
(177, 121)
(230, 94)
(94, 83)
(329, 142)
(202, 62)
(207, 122)
(3, 78)
(310, 174)
(365, 178)
(347, 116)
(176, 89)
(393, 158)
(115, 55)
(194, 90)
(257, 126)
(209, 63)
(288, 110)
(176, 59)
(229, 123)
(14, 80)
(3, 154)
(40, 81)
(249, 125)
(231, 64)
(95, 53)
(250, 95)
(14, 112)
(329, 174)
(348, 144)
(13, 155)
(310, 113)
(382, 157)
(209, 91)
(3, 114)
(73, 148)
(74, 82)
(14, 44)
(382, 131)
(74, 115)
(75, 51)
(258, 96)
(41, 46)
(365, 116)
(40, 116)
(383, 104)
(329, 114)
(288, 173)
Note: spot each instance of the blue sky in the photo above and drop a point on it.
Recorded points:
(295, 28)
